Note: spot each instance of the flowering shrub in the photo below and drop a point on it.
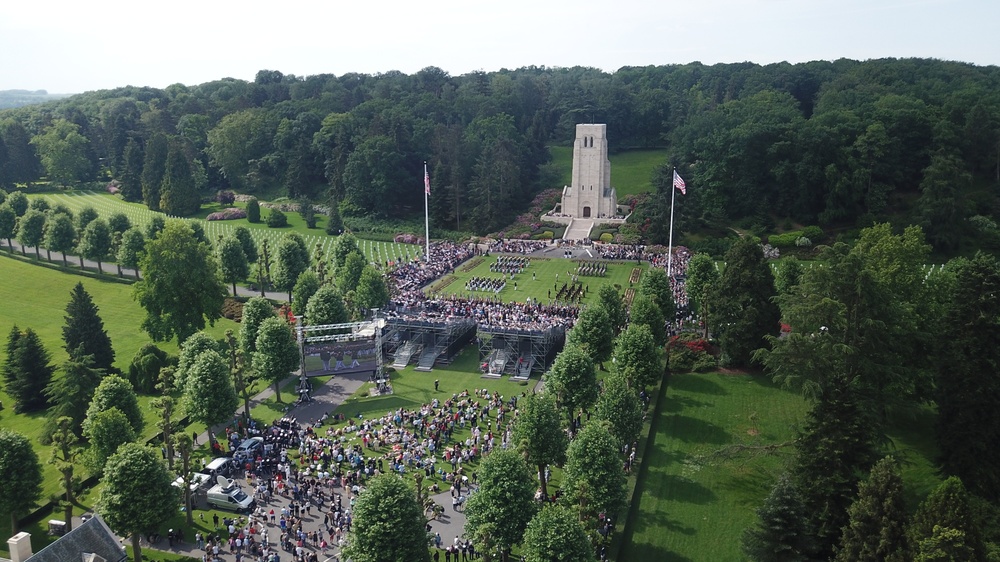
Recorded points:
(114, 188)
(689, 352)
(227, 214)
(405, 238)
(770, 252)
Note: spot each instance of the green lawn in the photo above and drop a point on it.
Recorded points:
(139, 215)
(693, 506)
(631, 170)
(543, 287)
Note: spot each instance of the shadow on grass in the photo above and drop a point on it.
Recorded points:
(684, 490)
(694, 430)
(701, 384)
(678, 403)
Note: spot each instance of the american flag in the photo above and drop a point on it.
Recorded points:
(679, 183)
(427, 182)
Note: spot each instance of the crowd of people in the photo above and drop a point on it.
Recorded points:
(490, 313)
(508, 246)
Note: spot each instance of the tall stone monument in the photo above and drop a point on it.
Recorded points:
(590, 195)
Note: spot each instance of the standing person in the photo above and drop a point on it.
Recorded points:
(436, 383)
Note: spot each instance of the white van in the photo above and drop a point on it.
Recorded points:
(228, 495)
(222, 465)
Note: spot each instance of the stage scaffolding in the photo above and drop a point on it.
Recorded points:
(431, 340)
(518, 352)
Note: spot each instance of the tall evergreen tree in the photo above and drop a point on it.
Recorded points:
(154, 167)
(27, 371)
(968, 378)
(743, 311)
(837, 446)
(948, 507)
(84, 330)
(179, 188)
(131, 176)
(72, 393)
(876, 531)
(781, 533)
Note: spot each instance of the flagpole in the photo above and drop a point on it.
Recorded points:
(427, 220)
(670, 241)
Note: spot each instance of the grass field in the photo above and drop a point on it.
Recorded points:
(549, 275)
(631, 170)
(693, 506)
(107, 204)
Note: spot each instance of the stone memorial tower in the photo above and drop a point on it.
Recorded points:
(590, 194)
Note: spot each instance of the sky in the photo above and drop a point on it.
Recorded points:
(69, 46)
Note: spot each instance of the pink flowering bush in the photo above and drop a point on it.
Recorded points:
(406, 238)
(228, 214)
(114, 188)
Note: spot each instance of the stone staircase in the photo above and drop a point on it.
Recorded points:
(579, 229)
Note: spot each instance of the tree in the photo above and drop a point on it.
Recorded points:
(781, 533)
(31, 230)
(18, 201)
(86, 216)
(65, 450)
(343, 246)
(116, 392)
(180, 287)
(595, 476)
(131, 176)
(233, 261)
(72, 393)
(144, 369)
(27, 370)
(637, 357)
(106, 430)
(788, 275)
(63, 151)
(8, 224)
(119, 223)
(744, 313)
(155, 226)
(253, 211)
(388, 524)
(84, 329)
(555, 534)
(967, 382)
(349, 273)
(277, 353)
(131, 249)
(307, 212)
(209, 397)
(645, 312)
(95, 242)
(621, 407)
(945, 545)
(154, 167)
(334, 223)
(179, 188)
(836, 447)
(876, 530)
(276, 219)
(372, 291)
(166, 404)
(326, 306)
(948, 507)
(191, 348)
(656, 285)
(305, 287)
(255, 311)
(612, 303)
(504, 502)
(60, 234)
(573, 380)
(137, 496)
(292, 260)
(534, 434)
(242, 234)
(242, 379)
(594, 334)
(239, 142)
(20, 475)
(185, 448)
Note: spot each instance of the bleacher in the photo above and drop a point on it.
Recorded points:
(496, 363)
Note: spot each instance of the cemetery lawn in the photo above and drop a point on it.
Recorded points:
(694, 507)
(631, 170)
(545, 270)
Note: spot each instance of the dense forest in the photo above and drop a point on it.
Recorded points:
(836, 144)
